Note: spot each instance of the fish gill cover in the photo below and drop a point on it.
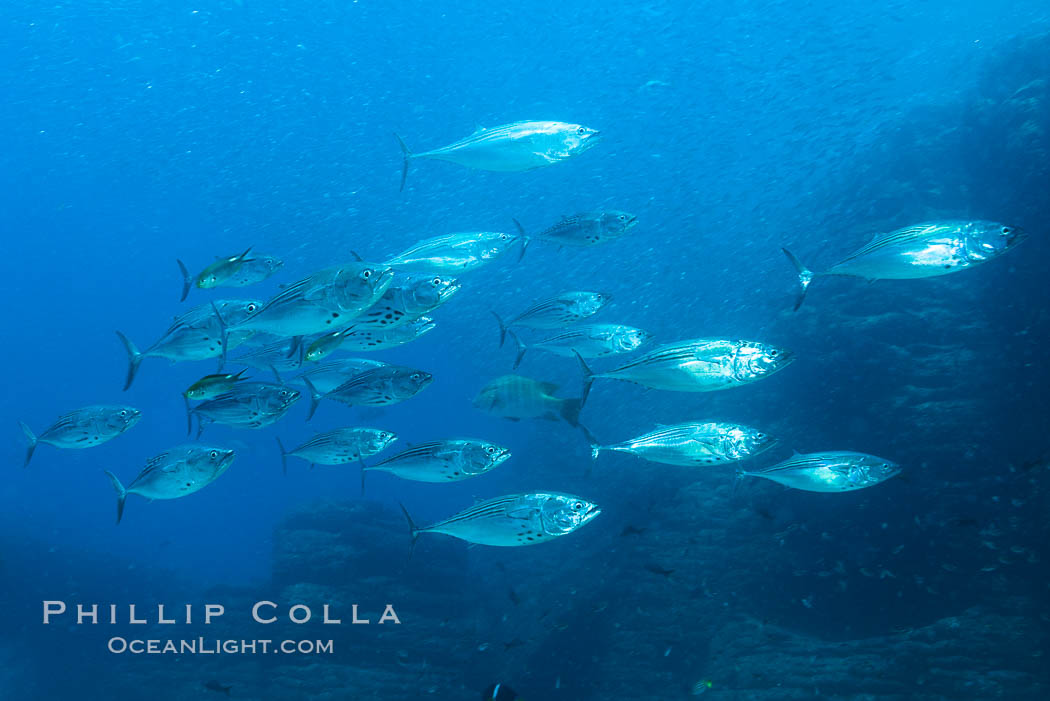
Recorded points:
(242, 155)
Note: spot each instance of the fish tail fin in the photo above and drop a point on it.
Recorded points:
(588, 378)
(805, 277)
(525, 240)
(413, 531)
(189, 415)
(122, 494)
(596, 445)
(31, 440)
(297, 343)
(521, 348)
(284, 454)
(407, 155)
(224, 333)
(276, 375)
(134, 359)
(187, 280)
(315, 397)
(502, 329)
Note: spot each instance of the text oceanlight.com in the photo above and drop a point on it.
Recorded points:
(203, 646)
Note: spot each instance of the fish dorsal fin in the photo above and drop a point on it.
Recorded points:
(246, 252)
(478, 128)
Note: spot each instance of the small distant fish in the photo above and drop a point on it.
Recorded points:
(697, 365)
(330, 374)
(657, 569)
(217, 687)
(833, 471)
(231, 271)
(454, 253)
(556, 312)
(247, 405)
(588, 229)
(339, 446)
(517, 642)
(588, 341)
(702, 687)
(403, 303)
(195, 335)
(381, 386)
(328, 299)
(693, 443)
(443, 461)
(514, 598)
(356, 340)
(211, 386)
(513, 147)
(83, 428)
(920, 251)
(517, 397)
(175, 473)
(513, 520)
(632, 530)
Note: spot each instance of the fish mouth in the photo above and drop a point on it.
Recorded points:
(593, 511)
(384, 277)
(632, 221)
(452, 288)
(227, 458)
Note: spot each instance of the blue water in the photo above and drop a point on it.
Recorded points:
(135, 133)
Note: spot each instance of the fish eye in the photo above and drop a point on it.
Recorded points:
(284, 393)
(214, 454)
(366, 273)
(774, 353)
(490, 450)
(437, 281)
(760, 435)
(252, 307)
(1006, 230)
(123, 412)
(622, 217)
(581, 131)
(577, 506)
(502, 237)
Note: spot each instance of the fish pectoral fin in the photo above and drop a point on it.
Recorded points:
(523, 513)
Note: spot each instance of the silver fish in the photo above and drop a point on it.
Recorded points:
(513, 520)
(232, 271)
(195, 335)
(556, 312)
(211, 386)
(326, 300)
(402, 303)
(833, 471)
(514, 147)
(340, 446)
(174, 473)
(381, 386)
(356, 339)
(588, 341)
(518, 397)
(923, 250)
(247, 405)
(454, 253)
(280, 356)
(698, 365)
(443, 461)
(83, 428)
(328, 375)
(588, 228)
(693, 443)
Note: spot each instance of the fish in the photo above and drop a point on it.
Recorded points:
(514, 520)
(82, 428)
(443, 461)
(832, 471)
(587, 341)
(382, 386)
(697, 365)
(195, 335)
(404, 303)
(175, 473)
(328, 299)
(278, 356)
(587, 228)
(231, 271)
(218, 688)
(339, 446)
(556, 312)
(455, 253)
(514, 147)
(693, 443)
(920, 251)
(632, 530)
(248, 405)
(356, 339)
(657, 569)
(211, 386)
(330, 374)
(518, 397)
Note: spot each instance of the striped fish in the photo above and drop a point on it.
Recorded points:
(328, 375)
(588, 341)
(403, 303)
(513, 520)
(382, 386)
(356, 339)
(248, 405)
(339, 446)
(833, 471)
(556, 312)
(920, 251)
(232, 271)
(590, 228)
(83, 428)
(512, 147)
(697, 365)
(443, 461)
(693, 443)
(455, 253)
